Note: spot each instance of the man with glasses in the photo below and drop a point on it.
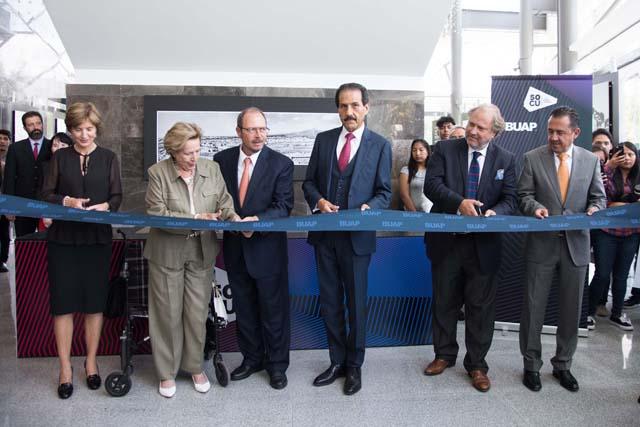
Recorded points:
(349, 168)
(260, 180)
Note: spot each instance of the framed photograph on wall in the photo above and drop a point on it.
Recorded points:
(293, 123)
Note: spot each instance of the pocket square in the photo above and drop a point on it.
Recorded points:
(499, 175)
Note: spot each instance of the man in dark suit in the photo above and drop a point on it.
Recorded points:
(23, 168)
(557, 179)
(469, 176)
(349, 168)
(260, 180)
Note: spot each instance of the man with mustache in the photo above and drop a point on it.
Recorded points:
(471, 176)
(260, 181)
(557, 179)
(23, 168)
(349, 168)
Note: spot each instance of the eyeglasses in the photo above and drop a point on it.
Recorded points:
(256, 130)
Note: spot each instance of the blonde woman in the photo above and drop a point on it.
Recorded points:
(181, 261)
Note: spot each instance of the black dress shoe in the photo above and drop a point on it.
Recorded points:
(531, 380)
(278, 380)
(93, 381)
(566, 379)
(353, 382)
(3, 267)
(65, 390)
(244, 371)
(329, 376)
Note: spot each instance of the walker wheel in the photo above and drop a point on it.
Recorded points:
(117, 384)
(222, 375)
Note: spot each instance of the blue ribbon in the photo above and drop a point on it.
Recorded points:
(351, 220)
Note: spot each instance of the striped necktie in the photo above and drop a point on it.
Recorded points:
(473, 177)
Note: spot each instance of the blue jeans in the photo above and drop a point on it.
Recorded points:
(613, 255)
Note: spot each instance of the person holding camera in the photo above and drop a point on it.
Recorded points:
(614, 249)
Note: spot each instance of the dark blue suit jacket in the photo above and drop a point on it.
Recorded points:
(445, 185)
(270, 195)
(370, 183)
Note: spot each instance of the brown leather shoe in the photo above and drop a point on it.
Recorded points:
(480, 380)
(437, 367)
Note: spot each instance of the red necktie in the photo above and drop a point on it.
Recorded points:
(244, 181)
(35, 151)
(343, 160)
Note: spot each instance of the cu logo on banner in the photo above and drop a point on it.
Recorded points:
(537, 100)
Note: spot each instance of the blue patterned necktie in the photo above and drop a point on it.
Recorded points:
(473, 177)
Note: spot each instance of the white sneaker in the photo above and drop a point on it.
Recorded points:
(591, 323)
(201, 387)
(167, 392)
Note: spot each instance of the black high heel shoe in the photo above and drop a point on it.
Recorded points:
(65, 390)
(94, 380)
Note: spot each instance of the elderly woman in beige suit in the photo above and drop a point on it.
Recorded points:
(181, 261)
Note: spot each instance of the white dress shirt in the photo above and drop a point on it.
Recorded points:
(241, 157)
(481, 157)
(39, 142)
(568, 160)
(355, 142)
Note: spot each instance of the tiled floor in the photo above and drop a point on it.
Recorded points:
(394, 390)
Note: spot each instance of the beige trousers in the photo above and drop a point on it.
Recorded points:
(178, 308)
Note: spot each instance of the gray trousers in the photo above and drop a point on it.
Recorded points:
(178, 308)
(570, 289)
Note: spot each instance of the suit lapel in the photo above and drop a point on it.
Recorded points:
(463, 166)
(549, 166)
(232, 172)
(258, 172)
(576, 166)
(487, 170)
(43, 149)
(362, 154)
(27, 150)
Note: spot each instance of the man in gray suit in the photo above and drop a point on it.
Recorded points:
(557, 179)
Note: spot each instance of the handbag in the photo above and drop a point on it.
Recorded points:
(220, 310)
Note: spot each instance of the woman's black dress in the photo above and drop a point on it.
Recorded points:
(79, 253)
